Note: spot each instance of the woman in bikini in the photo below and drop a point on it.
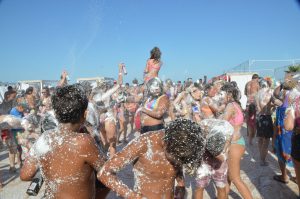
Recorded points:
(153, 65)
(154, 108)
(234, 115)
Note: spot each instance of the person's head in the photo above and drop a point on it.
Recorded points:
(210, 90)
(234, 84)
(263, 83)
(289, 84)
(168, 82)
(135, 82)
(184, 144)
(255, 77)
(155, 87)
(232, 93)
(21, 106)
(29, 90)
(195, 92)
(87, 87)
(46, 92)
(155, 54)
(216, 132)
(9, 88)
(69, 104)
(127, 86)
(10, 95)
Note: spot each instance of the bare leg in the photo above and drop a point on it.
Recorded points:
(110, 128)
(260, 148)
(122, 127)
(198, 193)
(283, 170)
(251, 133)
(236, 152)
(265, 146)
(221, 193)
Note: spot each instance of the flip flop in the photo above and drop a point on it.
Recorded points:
(279, 179)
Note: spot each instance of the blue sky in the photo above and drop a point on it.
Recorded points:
(88, 38)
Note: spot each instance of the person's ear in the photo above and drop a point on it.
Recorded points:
(85, 114)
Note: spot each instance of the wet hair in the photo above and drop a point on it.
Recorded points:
(155, 54)
(255, 76)
(208, 86)
(228, 88)
(234, 84)
(184, 142)
(29, 90)
(263, 83)
(69, 103)
(215, 144)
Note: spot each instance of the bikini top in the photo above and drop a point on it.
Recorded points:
(153, 66)
(239, 117)
(152, 104)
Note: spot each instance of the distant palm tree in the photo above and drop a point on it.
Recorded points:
(293, 69)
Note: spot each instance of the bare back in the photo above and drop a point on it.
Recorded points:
(154, 174)
(67, 162)
(251, 89)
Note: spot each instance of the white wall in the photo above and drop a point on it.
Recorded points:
(241, 80)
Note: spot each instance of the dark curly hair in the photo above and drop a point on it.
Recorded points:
(184, 141)
(155, 54)
(69, 103)
(229, 88)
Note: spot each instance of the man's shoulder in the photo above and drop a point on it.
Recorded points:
(84, 139)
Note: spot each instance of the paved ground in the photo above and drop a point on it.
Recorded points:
(258, 179)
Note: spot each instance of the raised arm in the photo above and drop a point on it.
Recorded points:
(63, 79)
(107, 175)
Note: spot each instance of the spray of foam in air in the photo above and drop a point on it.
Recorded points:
(95, 16)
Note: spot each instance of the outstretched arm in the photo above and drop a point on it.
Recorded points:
(107, 175)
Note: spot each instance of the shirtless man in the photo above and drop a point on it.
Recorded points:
(265, 104)
(158, 158)
(251, 89)
(67, 159)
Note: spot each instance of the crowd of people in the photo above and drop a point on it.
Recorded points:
(70, 134)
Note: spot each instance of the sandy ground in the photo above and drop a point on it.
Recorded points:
(259, 179)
